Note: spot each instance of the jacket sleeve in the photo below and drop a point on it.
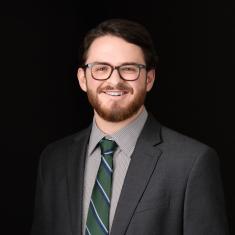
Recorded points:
(204, 206)
(41, 220)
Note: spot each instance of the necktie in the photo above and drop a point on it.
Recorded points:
(98, 213)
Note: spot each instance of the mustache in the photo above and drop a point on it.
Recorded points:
(119, 86)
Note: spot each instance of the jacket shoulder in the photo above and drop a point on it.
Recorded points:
(182, 150)
(57, 153)
(177, 140)
(62, 144)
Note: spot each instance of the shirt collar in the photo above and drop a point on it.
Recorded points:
(126, 138)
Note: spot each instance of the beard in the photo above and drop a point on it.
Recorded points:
(116, 112)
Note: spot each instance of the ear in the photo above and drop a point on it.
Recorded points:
(150, 79)
(82, 79)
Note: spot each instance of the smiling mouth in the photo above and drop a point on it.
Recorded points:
(115, 93)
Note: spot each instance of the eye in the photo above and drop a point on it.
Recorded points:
(101, 68)
(129, 69)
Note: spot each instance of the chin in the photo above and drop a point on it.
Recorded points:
(117, 111)
(116, 114)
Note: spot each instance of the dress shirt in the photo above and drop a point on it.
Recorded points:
(126, 139)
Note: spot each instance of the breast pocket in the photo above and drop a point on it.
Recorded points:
(157, 203)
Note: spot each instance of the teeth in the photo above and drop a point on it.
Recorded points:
(115, 93)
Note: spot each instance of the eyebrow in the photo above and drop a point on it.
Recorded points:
(125, 63)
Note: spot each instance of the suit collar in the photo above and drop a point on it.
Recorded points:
(142, 165)
(151, 132)
(144, 160)
(76, 166)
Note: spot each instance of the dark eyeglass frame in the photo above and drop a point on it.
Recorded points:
(90, 65)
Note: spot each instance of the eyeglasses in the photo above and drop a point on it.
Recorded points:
(103, 71)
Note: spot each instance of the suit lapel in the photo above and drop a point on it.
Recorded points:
(142, 165)
(76, 166)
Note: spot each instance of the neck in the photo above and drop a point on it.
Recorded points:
(112, 127)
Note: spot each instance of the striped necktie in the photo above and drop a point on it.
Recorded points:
(98, 214)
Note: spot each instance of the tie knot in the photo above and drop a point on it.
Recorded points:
(107, 146)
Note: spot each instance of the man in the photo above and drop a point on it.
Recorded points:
(126, 173)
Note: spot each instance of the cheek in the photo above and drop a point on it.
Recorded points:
(140, 86)
(91, 83)
(94, 86)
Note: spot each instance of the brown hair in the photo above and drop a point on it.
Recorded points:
(130, 31)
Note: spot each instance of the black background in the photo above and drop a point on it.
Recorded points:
(42, 101)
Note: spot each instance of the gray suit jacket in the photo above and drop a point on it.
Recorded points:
(172, 187)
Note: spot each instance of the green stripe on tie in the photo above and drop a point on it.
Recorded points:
(98, 213)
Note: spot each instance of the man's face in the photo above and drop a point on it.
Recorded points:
(114, 99)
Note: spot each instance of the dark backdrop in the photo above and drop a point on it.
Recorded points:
(42, 101)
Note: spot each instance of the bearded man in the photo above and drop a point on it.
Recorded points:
(126, 173)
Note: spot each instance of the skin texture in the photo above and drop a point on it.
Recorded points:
(114, 112)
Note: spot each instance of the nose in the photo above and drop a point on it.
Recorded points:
(115, 77)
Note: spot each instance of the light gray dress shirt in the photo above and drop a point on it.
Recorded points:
(126, 139)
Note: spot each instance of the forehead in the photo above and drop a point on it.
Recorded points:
(114, 50)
